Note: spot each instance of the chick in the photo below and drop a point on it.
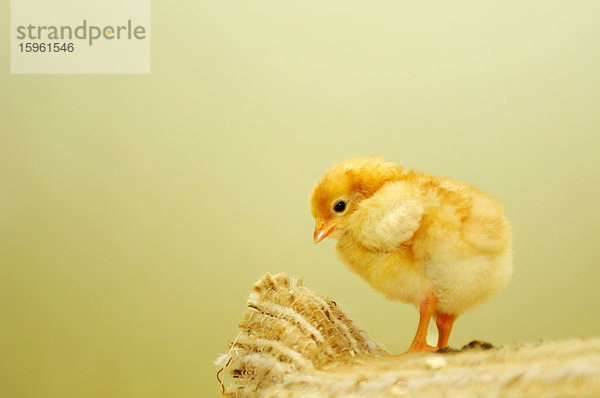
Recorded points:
(439, 244)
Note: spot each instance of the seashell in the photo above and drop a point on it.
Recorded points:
(288, 329)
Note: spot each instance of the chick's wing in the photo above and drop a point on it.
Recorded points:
(388, 218)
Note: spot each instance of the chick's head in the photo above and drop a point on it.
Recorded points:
(341, 190)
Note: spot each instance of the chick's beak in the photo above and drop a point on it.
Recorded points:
(322, 230)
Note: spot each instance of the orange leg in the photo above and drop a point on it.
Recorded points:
(426, 310)
(444, 324)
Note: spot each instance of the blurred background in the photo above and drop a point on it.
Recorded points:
(136, 211)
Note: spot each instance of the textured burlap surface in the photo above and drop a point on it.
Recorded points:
(295, 343)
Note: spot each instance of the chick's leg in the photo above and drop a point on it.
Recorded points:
(444, 324)
(426, 310)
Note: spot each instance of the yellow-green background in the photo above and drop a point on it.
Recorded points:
(136, 211)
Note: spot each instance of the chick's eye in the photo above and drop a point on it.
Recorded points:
(340, 206)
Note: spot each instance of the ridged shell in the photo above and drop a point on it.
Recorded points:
(288, 329)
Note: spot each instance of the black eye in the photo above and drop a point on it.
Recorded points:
(340, 206)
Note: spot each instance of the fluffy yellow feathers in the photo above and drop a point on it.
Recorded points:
(439, 244)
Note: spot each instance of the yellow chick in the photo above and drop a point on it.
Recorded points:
(439, 244)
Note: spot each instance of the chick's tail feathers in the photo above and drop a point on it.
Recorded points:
(486, 229)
